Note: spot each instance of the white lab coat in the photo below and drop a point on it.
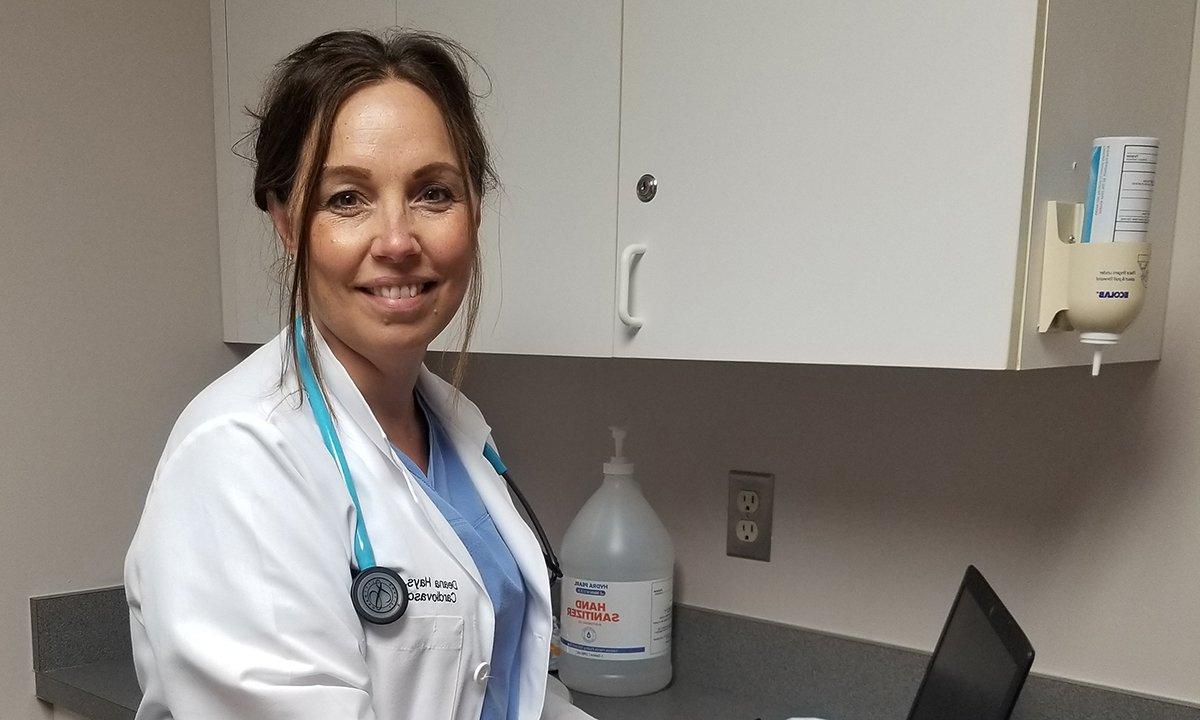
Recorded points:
(238, 577)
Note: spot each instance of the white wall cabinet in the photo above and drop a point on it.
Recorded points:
(837, 182)
(856, 182)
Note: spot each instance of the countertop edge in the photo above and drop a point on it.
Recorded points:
(63, 693)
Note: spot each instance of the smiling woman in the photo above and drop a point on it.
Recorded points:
(391, 239)
(308, 500)
(357, 105)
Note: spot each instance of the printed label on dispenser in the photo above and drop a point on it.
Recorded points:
(1119, 189)
(616, 620)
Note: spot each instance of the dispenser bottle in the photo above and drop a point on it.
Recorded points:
(617, 590)
(1109, 272)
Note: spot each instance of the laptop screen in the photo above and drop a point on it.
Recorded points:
(980, 662)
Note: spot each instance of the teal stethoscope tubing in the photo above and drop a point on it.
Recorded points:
(364, 553)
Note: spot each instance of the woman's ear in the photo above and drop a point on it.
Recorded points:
(477, 201)
(282, 223)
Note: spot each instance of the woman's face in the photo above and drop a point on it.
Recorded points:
(391, 247)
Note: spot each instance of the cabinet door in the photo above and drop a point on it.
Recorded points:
(249, 37)
(838, 182)
(551, 113)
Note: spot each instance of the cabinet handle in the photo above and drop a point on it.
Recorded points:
(627, 257)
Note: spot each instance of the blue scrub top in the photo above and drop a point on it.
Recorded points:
(451, 489)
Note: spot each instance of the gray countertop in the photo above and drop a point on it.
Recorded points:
(109, 690)
(727, 667)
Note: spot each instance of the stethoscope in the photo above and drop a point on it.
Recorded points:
(380, 594)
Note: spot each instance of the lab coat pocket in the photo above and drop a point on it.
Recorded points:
(416, 665)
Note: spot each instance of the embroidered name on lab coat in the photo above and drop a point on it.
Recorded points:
(429, 589)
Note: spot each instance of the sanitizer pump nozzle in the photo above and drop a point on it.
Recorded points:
(619, 464)
(1099, 340)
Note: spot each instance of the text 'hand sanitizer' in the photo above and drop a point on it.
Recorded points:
(617, 590)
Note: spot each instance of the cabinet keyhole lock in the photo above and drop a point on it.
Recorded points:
(647, 187)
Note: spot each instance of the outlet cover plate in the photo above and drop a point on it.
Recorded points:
(763, 485)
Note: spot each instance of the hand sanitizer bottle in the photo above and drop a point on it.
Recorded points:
(617, 592)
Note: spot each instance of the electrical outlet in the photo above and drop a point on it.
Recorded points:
(749, 515)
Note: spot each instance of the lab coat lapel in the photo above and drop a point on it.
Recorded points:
(512, 527)
(468, 431)
(353, 415)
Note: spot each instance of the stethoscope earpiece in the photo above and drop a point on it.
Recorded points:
(379, 595)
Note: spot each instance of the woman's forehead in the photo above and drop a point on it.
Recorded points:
(389, 127)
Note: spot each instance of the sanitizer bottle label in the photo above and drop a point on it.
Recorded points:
(616, 620)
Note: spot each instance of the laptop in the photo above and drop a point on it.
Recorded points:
(981, 660)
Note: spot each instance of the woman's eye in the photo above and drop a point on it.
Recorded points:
(437, 195)
(344, 201)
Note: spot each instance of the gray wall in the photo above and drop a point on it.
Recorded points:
(109, 286)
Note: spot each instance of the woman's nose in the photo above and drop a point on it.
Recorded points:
(396, 238)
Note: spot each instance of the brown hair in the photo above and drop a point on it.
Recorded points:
(302, 97)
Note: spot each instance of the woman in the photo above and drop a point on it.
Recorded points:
(372, 166)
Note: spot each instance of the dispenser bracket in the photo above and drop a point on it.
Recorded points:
(1064, 228)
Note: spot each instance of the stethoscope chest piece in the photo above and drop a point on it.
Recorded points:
(379, 594)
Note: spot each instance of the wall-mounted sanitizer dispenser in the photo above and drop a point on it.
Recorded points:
(1096, 261)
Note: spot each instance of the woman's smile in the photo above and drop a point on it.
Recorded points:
(398, 297)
